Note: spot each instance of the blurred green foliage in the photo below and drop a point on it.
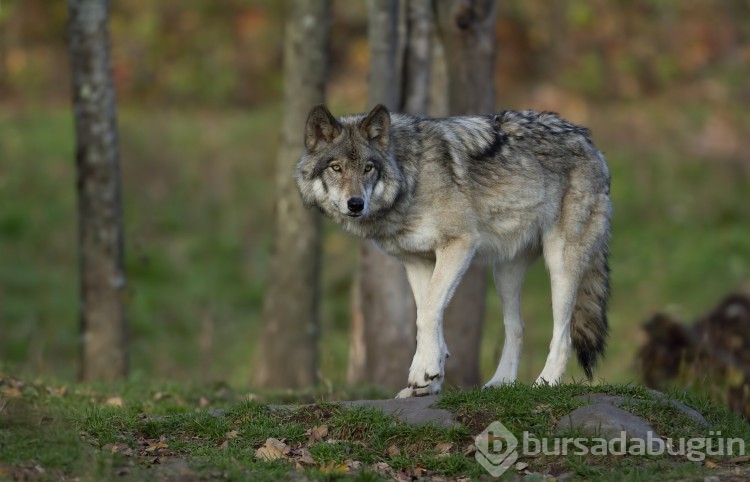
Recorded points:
(662, 84)
(229, 53)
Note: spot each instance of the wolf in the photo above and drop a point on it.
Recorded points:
(504, 188)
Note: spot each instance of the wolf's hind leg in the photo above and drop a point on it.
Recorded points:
(427, 370)
(509, 277)
(569, 248)
(562, 263)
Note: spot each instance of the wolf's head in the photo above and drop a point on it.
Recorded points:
(348, 169)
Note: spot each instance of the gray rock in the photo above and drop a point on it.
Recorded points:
(414, 411)
(608, 421)
(689, 411)
(618, 401)
(605, 418)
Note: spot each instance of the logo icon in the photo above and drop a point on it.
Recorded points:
(496, 449)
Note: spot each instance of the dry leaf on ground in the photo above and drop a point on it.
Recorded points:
(157, 445)
(317, 434)
(443, 449)
(272, 450)
(383, 468)
(304, 457)
(12, 392)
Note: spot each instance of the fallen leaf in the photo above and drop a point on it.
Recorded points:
(114, 402)
(403, 476)
(333, 467)
(232, 434)
(305, 457)
(393, 451)
(117, 448)
(470, 449)
(272, 450)
(710, 465)
(443, 449)
(317, 434)
(382, 468)
(12, 392)
(204, 402)
(521, 465)
(268, 453)
(154, 446)
(60, 391)
(353, 465)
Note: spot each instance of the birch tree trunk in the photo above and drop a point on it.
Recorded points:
(467, 31)
(288, 351)
(102, 277)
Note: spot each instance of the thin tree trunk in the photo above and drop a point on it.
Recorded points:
(102, 278)
(417, 58)
(383, 333)
(288, 351)
(467, 30)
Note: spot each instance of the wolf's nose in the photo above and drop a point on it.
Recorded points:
(355, 204)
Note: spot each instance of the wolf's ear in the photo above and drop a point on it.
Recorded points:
(375, 127)
(322, 128)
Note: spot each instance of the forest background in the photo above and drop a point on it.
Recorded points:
(662, 85)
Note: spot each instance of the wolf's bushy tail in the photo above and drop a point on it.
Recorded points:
(589, 326)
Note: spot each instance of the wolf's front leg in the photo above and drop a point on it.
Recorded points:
(427, 370)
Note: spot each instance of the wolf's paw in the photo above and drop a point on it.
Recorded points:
(431, 389)
(543, 380)
(426, 374)
(498, 382)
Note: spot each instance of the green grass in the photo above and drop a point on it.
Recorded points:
(138, 430)
(198, 195)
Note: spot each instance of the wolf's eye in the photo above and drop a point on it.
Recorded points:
(336, 167)
(368, 168)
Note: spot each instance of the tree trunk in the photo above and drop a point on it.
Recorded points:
(383, 333)
(417, 58)
(103, 323)
(288, 351)
(467, 30)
